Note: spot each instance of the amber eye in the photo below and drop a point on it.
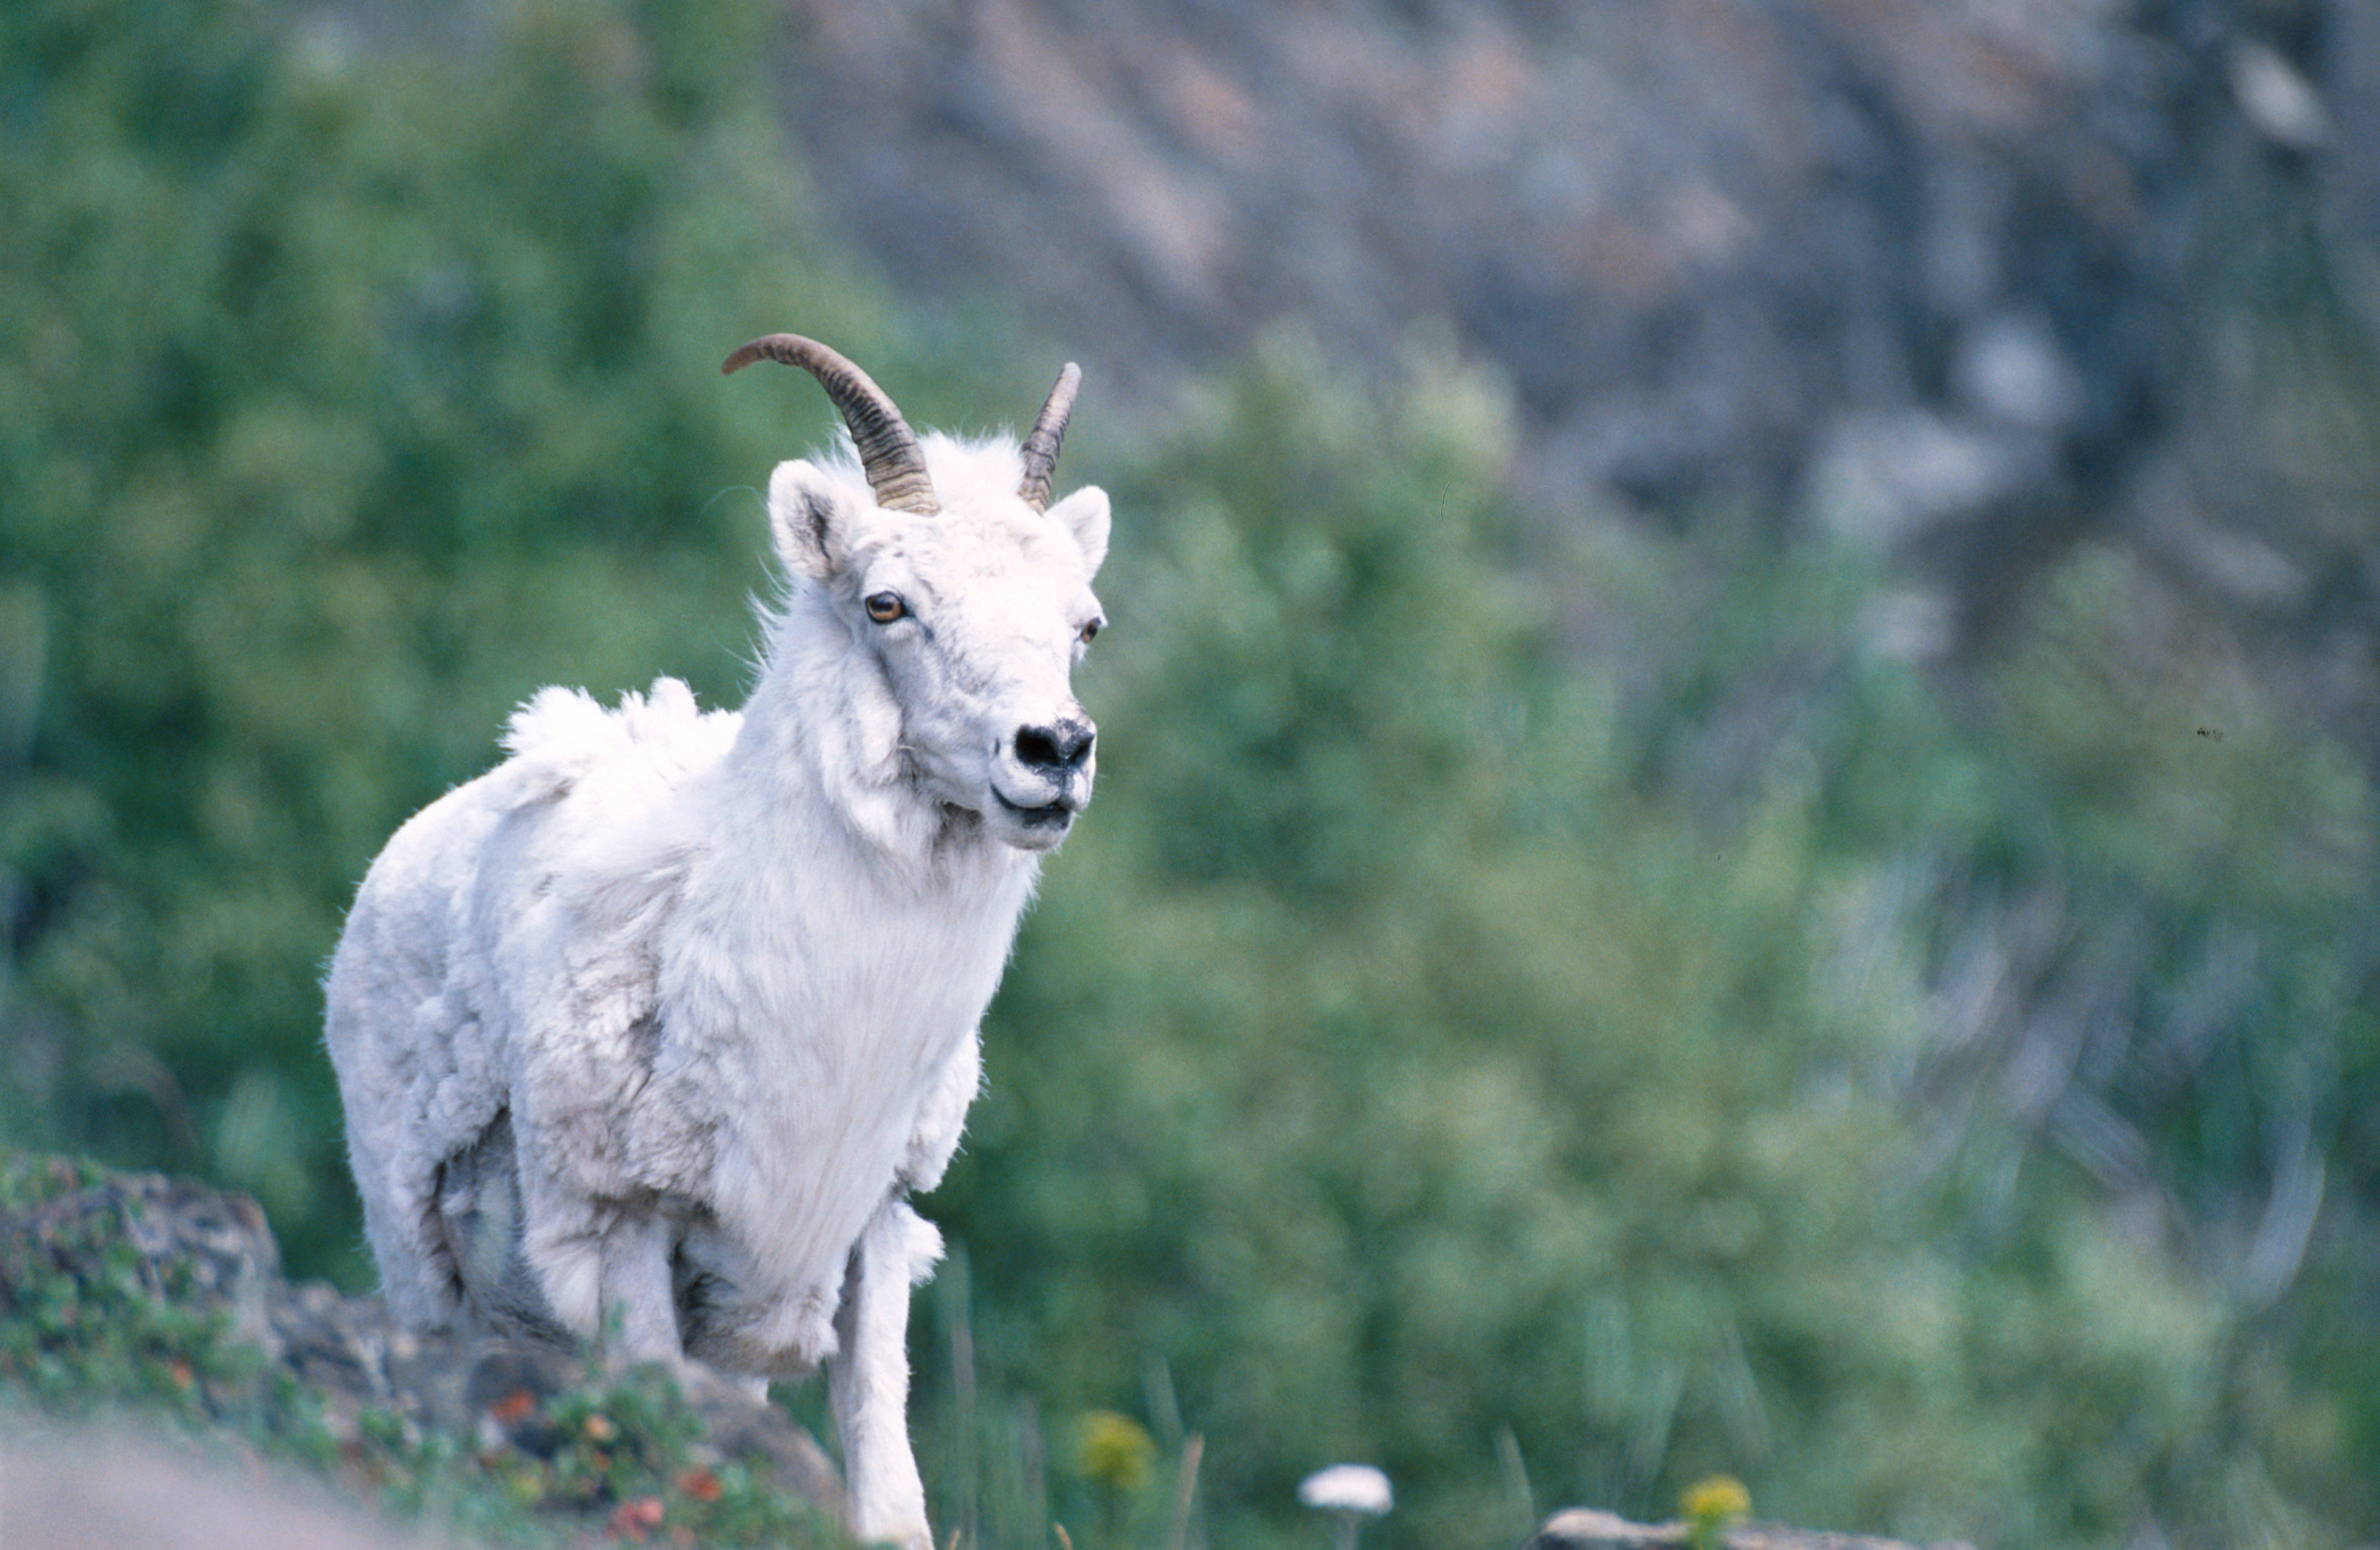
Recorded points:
(1091, 630)
(885, 607)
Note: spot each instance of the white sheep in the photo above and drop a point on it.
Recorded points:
(648, 1034)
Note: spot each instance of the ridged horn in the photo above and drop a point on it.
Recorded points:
(1048, 431)
(887, 448)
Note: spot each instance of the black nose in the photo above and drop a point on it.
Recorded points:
(1055, 749)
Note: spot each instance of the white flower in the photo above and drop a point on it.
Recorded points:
(1347, 1488)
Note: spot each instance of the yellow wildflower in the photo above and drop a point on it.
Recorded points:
(1711, 1505)
(1114, 1451)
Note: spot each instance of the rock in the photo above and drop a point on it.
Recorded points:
(191, 1245)
(202, 1250)
(1579, 1528)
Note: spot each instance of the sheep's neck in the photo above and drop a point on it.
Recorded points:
(849, 969)
(822, 854)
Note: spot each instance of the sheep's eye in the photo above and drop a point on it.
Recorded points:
(885, 607)
(1091, 630)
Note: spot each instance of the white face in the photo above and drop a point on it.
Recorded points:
(975, 616)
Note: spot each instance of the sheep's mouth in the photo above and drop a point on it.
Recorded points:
(1048, 815)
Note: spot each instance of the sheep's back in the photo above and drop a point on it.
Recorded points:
(494, 916)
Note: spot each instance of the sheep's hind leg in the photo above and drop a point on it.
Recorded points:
(867, 1378)
(416, 1274)
(637, 1291)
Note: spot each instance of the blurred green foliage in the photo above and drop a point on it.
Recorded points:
(1436, 1035)
(1551, 1074)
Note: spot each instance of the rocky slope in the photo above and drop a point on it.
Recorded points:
(1965, 281)
(143, 1293)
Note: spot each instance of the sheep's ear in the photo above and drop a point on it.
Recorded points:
(806, 517)
(1085, 515)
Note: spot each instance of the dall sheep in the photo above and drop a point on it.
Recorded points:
(647, 1034)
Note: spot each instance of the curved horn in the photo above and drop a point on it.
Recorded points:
(1042, 447)
(887, 449)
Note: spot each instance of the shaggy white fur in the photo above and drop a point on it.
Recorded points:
(662, 1020)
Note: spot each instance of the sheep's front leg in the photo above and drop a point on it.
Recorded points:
(867, 1377)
